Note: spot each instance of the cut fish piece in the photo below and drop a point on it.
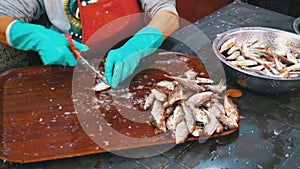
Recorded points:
(100, 87)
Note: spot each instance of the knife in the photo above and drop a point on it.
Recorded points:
(83, 61)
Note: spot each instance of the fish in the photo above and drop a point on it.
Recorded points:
(272, 70)
(279, 66)
(158, 113)
(218, 89)
(228, 122)
(175, 95)
(233, 49)
(295, 67)
(216, 108)
(221, 114)
(181, 132)
(255, 69)
(199, 114)
(192, 84)
(228, 44)
(171, 123)
(159, 95)
(266, 72)
(241, 63)
(231, 109)
(178, 114)
(189, 117)
(241, 57)
(100, 87)
(267, 57)
(220, 127)
(170, 85)
(199, 99)
(294, 74)
(211, 126)
(160, 128)
(203, 80)
(233, 56)
(181, 129)
(247, 52)
(284, 74)
(197, 131)
(292, 57)
(149, 101)
(258, 45)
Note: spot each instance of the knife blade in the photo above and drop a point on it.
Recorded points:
(86, 64)
(83, 61)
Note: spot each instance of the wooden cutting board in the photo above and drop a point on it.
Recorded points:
(47, 112)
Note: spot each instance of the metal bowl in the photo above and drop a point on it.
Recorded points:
(296, 25)
(253, 81)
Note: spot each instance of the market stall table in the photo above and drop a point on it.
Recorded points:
(269, 131)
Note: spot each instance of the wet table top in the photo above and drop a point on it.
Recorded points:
(269, 131)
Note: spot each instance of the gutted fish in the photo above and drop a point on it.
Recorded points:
(204, 80)
(228, 44)
(175, 95)
(192, 84)
(231, 109)
(167, 84)
(159, 95)
(181, 132)
(149, 101)
(158, 113)
(100, 87)
(199, 99)
(198, 131)
(211, 126)
(189, 117)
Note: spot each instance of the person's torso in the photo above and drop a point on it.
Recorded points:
(65, 15)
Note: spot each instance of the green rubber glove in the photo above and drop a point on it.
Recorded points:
(53, 47)
(121, 63)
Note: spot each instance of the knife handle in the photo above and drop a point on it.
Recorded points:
(75, 52)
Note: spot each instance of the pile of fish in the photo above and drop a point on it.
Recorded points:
(188, 105)
(259, 57)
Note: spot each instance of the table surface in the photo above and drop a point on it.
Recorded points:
(270, 126)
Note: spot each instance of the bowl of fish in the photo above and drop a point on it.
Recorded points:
(264, 60)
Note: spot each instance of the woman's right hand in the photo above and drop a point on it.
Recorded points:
(53, 47)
